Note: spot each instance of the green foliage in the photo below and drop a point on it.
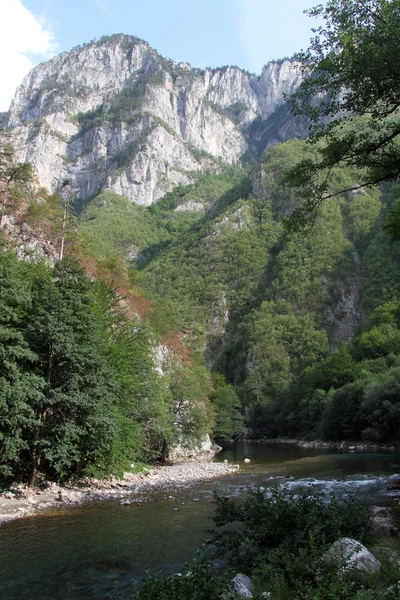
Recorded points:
(353, 51)
(352, 394)
(189, 388)
(20, 386)
(226, 406)
(197, 582)
(234, 112)
(263, 307)
(259, 302)
(15, 177)
(113, 225)
(79, 391)
(392, 224)
(266, 526)
(280, 541)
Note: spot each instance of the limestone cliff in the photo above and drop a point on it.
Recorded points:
(114, 114)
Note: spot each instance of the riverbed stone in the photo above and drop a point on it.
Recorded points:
(394, 484)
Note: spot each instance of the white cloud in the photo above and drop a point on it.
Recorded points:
(24, 41)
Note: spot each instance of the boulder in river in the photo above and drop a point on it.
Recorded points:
(247, 460)
(394, 484)
(353, 555)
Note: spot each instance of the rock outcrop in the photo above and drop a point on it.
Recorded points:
(114, 114)
(203, 451)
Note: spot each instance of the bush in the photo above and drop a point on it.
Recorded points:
(197, 582)
(280, 541)
(284, 524)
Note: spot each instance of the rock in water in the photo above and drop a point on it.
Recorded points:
(247, 460)
(394, 485)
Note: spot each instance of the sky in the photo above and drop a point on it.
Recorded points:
(246, 33)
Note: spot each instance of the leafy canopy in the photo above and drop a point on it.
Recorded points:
(351, 94)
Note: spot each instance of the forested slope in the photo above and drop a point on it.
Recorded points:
(265, 308)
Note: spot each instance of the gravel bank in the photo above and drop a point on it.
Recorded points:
(18, 501)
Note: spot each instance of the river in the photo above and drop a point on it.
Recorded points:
(97, 550)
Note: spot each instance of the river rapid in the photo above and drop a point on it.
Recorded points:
(97, 550)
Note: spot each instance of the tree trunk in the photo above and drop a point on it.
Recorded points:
(164, 451)
(35, 467)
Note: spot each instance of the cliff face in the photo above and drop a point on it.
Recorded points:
(114, 114)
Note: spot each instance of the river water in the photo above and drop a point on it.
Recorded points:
(97, 550)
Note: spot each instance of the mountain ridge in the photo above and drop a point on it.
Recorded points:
(114, 114)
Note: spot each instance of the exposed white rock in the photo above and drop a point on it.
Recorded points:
(242, 586)
(191, 206)
(161, 356)
(234, 222)
(205, 450)
(277, 79)
(179, 120)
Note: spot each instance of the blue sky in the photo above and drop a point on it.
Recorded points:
(247, 33)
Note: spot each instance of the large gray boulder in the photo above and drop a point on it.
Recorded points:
(241, 587)
(353, 555)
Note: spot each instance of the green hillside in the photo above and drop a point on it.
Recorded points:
(256, 304)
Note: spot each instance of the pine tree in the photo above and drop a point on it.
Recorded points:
(20, 387)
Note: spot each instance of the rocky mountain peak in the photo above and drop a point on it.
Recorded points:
(114, 114)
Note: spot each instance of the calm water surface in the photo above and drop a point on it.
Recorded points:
(97, 550)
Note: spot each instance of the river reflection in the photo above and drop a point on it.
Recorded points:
(97, 550)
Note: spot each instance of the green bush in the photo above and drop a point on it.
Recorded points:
(197, 582)
(280, 542)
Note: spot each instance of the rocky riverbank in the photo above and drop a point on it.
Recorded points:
(343, 445)
(19, 501)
